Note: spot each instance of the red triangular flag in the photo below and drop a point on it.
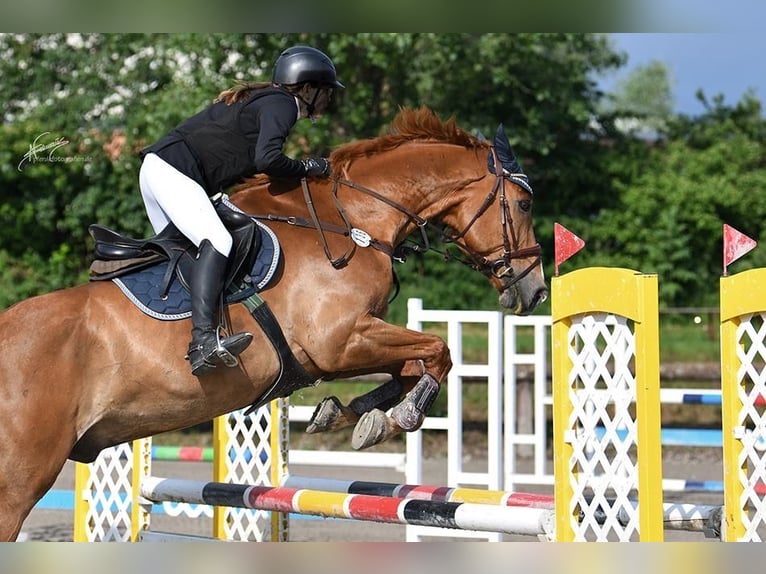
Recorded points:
(735, 245)
(566, 244)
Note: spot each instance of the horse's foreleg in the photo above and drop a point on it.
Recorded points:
(10, 525)
(423, 361)
(22, 485)
(331, 414)
(409, 413)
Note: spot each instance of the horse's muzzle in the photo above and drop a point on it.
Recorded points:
(512, 297)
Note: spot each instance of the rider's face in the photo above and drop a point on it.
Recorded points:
(319, 96)
(322, 101)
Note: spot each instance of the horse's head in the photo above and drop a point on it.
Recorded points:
(385, 188)
(494, 229)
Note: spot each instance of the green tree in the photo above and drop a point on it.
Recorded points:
(642, 101)
(708, 171)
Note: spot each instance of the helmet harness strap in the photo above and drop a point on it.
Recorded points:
(310, 106)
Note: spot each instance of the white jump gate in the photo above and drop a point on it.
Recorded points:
(504, 414)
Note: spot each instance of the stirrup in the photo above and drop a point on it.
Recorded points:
(234, 345)
(224, 352)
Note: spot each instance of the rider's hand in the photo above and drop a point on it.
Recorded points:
(316, 167)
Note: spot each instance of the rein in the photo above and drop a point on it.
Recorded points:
(499, 268)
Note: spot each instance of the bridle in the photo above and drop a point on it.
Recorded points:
(499, 268)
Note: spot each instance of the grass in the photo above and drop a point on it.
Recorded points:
(681, 341)
(689, 339)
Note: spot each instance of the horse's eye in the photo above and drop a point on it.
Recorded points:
(525, 205)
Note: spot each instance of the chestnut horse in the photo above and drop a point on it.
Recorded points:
(81, 369)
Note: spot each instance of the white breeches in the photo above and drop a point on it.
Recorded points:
(170, 195)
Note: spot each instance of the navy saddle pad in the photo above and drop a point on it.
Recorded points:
(143, 287)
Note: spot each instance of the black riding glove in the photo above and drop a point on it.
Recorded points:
(316, 167)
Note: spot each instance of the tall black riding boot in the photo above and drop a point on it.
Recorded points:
(207, 349)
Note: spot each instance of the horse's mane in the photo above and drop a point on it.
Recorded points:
(409, 124)
(420, 124)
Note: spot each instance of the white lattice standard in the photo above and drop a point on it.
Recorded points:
(751, 376)
(602, 428)
(104, 509)
(105, 495)
(247, 453)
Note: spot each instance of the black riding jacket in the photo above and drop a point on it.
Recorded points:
(223, 144)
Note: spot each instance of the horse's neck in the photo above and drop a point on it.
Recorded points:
(423, 182)
(417, 183)
(356, 201)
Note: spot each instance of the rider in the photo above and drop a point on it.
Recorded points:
(242, 133)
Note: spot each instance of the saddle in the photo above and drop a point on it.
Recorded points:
(118, 255)
(155, 271)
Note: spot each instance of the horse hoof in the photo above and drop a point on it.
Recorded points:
(326, 413)
(370, 430)
(407, 416)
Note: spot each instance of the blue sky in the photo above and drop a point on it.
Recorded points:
(697, 16)
(725, 63)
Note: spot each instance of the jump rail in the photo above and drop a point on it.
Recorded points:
(677, 516)
(453, 515)
(467, 509)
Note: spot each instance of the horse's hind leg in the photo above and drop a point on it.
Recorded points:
(331, 414)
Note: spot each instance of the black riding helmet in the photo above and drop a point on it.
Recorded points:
(301, 64)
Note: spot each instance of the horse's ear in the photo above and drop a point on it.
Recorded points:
(505, 152)
(480, 136)
(506, 157)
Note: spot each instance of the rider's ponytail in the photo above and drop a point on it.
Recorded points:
(239, 92)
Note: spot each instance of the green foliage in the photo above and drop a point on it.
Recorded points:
(645, 97)
(655, 206)
(707, 172)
